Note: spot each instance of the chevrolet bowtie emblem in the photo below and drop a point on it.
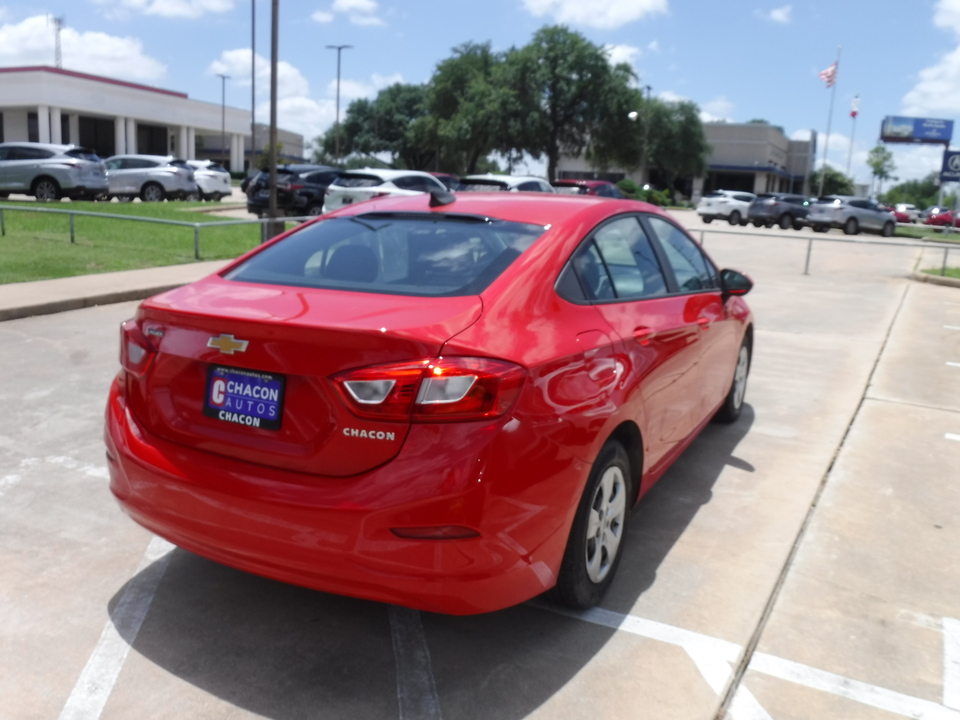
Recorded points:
(227, 344)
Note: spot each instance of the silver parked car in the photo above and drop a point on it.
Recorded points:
(213, 180)
(50, 172)
(851, 214)
(152, 178)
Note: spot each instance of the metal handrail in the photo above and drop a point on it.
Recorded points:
(139, 218)
(941, 245)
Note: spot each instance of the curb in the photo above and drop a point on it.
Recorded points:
(935, 279)
(78, 303)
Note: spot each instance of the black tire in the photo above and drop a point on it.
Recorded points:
(216, 197)
(758, 223)
(733, 404)
(820, 228)
(734, 218)
(152, 192)
(707, 219)
(124, 198)
(888, 229)
(315, 210)
(851, 227)
(46, 189)
(4, 195)
(194, 196)
(587, 568)
(786, 221)
(798, 225)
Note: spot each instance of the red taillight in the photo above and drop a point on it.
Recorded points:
(297, 187)
(455, 388)
(136, 351)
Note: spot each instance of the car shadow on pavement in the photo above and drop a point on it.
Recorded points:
(287, 652)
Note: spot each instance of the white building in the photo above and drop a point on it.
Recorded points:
(46, 104)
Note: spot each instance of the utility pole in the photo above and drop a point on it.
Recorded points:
(253, 84)
(274, 41)
(223, 118)
(339, 49)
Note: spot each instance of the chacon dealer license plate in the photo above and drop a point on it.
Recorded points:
(244, 397)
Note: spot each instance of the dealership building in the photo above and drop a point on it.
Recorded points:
(754, 157)
(113, 117)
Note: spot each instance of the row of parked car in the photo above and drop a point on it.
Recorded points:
(316, 189)
(50, 172)
(789, 210)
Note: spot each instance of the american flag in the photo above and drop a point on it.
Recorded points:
(829, 76)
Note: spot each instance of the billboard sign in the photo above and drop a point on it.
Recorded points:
(896, 129)
(951, 167)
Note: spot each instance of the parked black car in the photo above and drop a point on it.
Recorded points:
(300, 189)
(783, 209)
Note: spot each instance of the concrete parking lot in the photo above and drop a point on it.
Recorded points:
(800, 563)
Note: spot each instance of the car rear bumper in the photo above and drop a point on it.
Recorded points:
(518, 490)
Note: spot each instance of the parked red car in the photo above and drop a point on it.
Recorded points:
(603, 188)
(941, 217)
(446, 402)
(901, 217)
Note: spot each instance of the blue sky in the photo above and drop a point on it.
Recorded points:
(738, 60)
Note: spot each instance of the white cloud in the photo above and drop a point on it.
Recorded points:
(800, 135)
(947, 15)
(605, 14)
(353, 89)
(302, 115)
(671, 96)
(720, 109)
(5, 15)
(622, 53)
(167, 8)
(236, 64)
(653, 46)
(358, 12)
(782, 15)
(937, 90)
(31, 42)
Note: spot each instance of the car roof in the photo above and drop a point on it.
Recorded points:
(46, 146)
(511, 180)
(581, 183)
(535, 208)
(159, 158)
(385, 174)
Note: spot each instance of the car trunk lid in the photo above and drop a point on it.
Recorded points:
(202, 389)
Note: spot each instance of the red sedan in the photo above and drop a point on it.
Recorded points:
(445, 402)
(941, 217)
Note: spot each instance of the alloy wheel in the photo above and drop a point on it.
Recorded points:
(605, 524)
(46, 190)
(740, 377)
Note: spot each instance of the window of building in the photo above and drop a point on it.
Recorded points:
(33, 127)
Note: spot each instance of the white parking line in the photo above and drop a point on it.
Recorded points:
(861, 692)
(708, 653)
(416, 689)
(93, 687)
(951, 663)
(953, 364)
(951, 327)
(951, 436)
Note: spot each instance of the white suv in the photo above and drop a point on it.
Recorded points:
(508, 183)
(729, 204)
(359, 185)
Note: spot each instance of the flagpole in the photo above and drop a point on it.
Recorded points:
(826, 142)
(853, 132)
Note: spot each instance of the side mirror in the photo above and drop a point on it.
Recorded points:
(734, 283)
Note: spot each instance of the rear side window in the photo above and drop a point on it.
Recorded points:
(83, 154)
(357, 181)
(395, 254)
(618, 264)
(321, 178)
(743, 198)
(28, 153)
(136, 164)
(691, 269)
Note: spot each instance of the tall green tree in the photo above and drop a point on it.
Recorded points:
(680, 148)
(922, 193)
(561, 80)
(470, 99)
(834, 182)
(880, 160)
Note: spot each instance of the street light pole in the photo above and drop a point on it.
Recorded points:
(223, 118)
(339, 49)
(274, 41)
(253, 84)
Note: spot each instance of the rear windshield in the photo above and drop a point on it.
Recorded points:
(180, 164)
(83, 154)
(483, 185)
(570, 189)
(394, 254)
(357, 181)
